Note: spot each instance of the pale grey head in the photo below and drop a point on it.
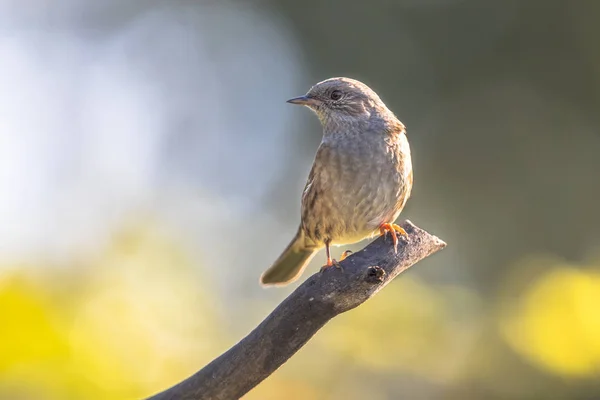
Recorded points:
(343, 99)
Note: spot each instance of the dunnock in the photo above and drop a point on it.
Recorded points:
(360, 179)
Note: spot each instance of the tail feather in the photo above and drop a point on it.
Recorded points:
(290, 265)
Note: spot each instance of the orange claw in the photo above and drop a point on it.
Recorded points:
(330, 262)
(385, 228)
(345, 254)
(333, 263)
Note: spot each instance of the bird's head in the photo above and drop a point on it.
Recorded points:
(342, 100)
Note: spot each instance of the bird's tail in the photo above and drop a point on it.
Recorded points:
(290, 264)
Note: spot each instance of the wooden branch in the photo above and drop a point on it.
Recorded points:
(320, 298)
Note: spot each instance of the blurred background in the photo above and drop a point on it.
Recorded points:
(150, 170)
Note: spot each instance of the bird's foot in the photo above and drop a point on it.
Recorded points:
(393, 228)
(333, 263)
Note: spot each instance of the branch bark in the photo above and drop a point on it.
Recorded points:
(320, 298)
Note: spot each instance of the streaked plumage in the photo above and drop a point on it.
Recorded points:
(361, 176)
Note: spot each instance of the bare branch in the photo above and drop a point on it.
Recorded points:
(320, 298)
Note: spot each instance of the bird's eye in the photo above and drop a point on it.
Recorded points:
(336, 95)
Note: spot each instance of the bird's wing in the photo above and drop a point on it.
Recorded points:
(315, 184)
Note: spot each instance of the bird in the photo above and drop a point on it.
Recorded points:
(360, 180)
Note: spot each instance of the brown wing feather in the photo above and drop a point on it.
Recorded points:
(310, 198)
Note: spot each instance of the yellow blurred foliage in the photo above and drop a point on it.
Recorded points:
(413, 325)
(31, 341)
(137, 317)
(131, 322)
(278, 387)
(556, 323)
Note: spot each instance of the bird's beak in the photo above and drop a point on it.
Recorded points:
(303, 101)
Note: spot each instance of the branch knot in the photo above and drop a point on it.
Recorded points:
(374, 274)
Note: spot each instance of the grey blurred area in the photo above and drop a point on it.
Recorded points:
(139, 106)
(175, 111)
